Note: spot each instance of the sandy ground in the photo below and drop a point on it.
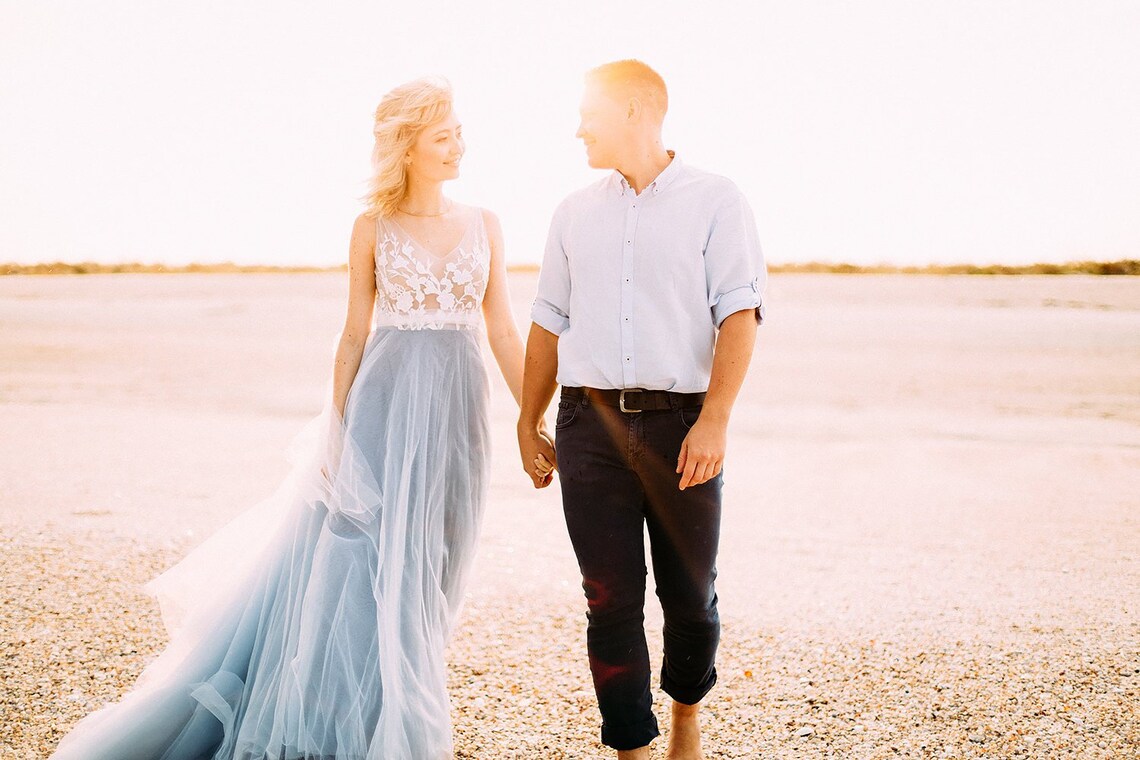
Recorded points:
(932, 528)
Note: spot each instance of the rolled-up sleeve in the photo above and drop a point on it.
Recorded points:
(551, 309)
(734, 264)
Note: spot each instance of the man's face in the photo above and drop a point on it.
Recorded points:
(603, 126)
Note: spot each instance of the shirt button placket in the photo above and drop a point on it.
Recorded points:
(627, 261)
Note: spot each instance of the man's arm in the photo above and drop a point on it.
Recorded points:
(539, 373)
(702, 452)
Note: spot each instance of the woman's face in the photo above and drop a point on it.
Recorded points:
(436, 153)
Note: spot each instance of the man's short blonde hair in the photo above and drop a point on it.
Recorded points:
(632, 78)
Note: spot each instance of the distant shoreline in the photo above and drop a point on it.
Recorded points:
(1121, 267)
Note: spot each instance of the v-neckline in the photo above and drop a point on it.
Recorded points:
(424, 248)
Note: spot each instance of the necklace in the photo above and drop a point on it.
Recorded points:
(413, 213)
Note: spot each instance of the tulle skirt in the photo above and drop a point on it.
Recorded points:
(313, 625)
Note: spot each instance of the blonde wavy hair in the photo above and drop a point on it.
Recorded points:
(402, 115)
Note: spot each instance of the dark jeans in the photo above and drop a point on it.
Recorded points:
(618, 474)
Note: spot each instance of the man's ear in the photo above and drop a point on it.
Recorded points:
(634, 109)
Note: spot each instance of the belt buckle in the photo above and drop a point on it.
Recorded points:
(621, 401)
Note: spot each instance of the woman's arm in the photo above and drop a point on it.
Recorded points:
(507, 345)
(361, 300)
(502, 332)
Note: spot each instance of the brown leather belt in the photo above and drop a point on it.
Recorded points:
(637, 399)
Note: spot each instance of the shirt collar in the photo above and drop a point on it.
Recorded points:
(667, 175)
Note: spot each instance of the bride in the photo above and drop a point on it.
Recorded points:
(313, 626)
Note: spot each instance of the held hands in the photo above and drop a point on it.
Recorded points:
(544, 471)
(702, 452)
(538, 458)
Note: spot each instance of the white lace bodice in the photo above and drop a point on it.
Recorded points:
(419, 290)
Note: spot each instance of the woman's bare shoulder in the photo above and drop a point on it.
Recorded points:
(364, 229)
(490, 220)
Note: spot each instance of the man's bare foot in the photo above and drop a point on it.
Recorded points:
(685, 734)
(641, 753)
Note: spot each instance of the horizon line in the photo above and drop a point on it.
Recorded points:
(1117, 267)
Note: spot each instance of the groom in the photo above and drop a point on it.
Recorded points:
(646, 314)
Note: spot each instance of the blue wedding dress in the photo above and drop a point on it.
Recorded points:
(313, 625)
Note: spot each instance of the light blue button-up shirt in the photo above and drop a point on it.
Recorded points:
(636, 286)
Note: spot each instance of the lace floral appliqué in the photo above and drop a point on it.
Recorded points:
(417, 290)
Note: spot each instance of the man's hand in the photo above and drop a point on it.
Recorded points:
(535, 444)
(702, 452)
(538, 458)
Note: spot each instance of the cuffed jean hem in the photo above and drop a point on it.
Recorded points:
(688, 695)
(632, 736)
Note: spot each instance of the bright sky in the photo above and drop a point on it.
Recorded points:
(904, 131)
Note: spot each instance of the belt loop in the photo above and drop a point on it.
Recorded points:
(572, 393)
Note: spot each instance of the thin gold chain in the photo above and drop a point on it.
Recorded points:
(412, 213)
